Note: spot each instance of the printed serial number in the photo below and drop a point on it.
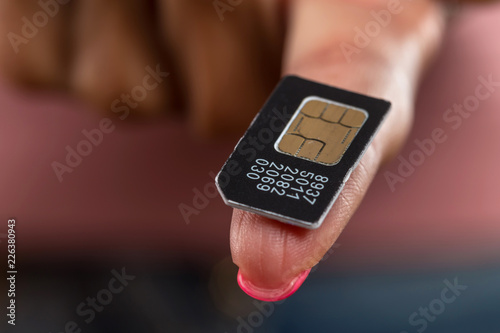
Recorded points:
(283, 180)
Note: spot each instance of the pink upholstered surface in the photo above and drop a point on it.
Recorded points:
(123, 199)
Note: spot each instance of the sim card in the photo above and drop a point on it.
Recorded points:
(299, 151)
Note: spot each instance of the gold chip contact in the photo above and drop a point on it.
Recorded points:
(321, 131)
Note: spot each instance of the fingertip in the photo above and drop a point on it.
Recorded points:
(273, 258)
(275, 294)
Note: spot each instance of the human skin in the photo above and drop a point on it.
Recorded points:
(270, 254)
(110, 42)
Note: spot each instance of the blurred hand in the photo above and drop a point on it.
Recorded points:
(220, 72)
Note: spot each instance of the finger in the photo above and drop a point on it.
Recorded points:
(274, 258)
(115, 53)
(33, 47)
(228, 60)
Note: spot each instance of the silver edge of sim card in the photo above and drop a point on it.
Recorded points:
(288, 219)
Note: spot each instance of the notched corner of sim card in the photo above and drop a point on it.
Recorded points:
(220, 189)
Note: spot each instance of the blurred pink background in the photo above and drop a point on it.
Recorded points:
(123, 199)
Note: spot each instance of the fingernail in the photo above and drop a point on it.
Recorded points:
(272, 295)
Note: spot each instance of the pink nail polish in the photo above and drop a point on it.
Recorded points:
(272, 295)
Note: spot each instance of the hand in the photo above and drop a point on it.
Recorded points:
(274, 258)
(220, 73)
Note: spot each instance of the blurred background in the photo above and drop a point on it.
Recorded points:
(117, 217)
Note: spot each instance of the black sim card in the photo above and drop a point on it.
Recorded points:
(299, 151)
